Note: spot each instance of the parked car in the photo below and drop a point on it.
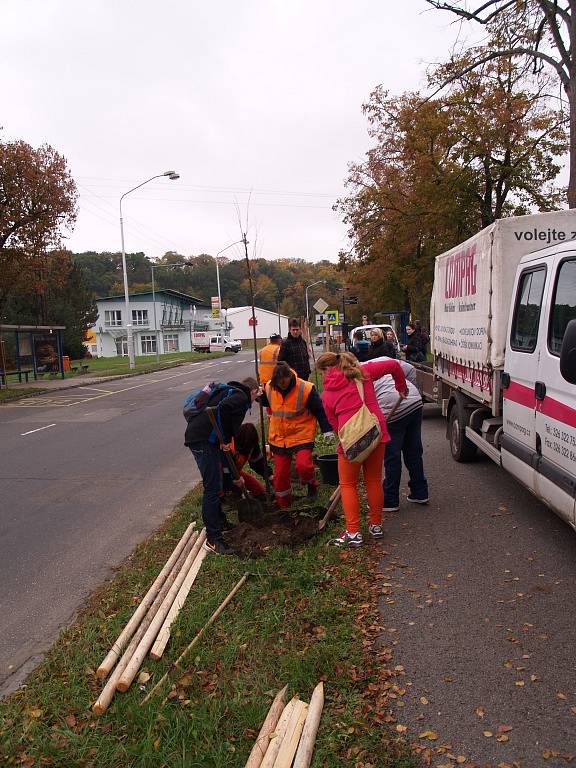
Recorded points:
(320, 338)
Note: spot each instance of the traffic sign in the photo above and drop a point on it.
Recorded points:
(320, 320)
(320, 306)
(332, 317)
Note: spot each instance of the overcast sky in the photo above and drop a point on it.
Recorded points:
(261, 95)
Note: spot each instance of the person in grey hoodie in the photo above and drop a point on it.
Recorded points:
(405, 428)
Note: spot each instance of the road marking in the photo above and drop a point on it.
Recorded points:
(22, 434)
(94, 389)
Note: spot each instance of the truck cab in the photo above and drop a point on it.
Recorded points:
(538, 442)
(220, 343)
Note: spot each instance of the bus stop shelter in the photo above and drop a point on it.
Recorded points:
(30, 350)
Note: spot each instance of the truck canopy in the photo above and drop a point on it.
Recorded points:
(473, 285)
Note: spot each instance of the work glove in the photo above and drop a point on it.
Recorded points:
(329, 435)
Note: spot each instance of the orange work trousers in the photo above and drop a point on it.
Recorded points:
(349, 474)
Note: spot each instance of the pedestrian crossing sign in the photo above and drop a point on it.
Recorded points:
(332, 317)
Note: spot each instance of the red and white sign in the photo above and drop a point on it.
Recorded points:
(252, 321)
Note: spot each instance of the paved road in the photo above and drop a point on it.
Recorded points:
(481, 607)
(86, 474)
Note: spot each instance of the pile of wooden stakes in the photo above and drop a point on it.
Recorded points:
(288, 734)
(149, 627)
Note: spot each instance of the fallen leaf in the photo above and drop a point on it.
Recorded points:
(70, 720)
(562, 696)
(143, 677)
(156, 743)
(479, 712)
(488, 734)
(460, 759)
(431, 735)
(502, 737)
(519, 683)
(423, 700)
(401, 728)
(534, 678)
(504, 729)
(36, 713)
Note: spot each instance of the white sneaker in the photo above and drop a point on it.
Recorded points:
(376, 531)
(390, 509)
(417, 501)
(348, 540)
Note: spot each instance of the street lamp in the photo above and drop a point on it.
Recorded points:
(152, 268)
(172, 175)
(218, 276)
(307, 310)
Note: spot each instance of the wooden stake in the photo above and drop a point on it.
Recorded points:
(107, 694)
(164, 633)
(263, 739)
(291, 738)
(306, 747)
(105, 667)
(278, 734)
(186, 650)
(149, 636)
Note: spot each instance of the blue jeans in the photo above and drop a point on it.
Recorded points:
(406, 440)
(207, 457)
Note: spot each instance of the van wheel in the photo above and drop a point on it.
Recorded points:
(461, 448)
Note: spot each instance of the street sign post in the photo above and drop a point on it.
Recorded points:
(320, 320)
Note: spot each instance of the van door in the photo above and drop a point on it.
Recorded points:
(519, 446)
(556, 398)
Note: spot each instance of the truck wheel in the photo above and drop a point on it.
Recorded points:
(461, 448)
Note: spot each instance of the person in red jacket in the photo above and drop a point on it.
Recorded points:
(341, 401)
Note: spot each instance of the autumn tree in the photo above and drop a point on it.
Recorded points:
(542, 32)
(37, 202)
(440, 169)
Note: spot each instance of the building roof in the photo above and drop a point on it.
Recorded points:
(236, 310)
(184, 297)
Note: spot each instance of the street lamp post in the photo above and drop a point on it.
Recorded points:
(129, 330)
(307, 310)
(152, 268)
(218, 276)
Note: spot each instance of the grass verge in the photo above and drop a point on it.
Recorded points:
(305, 614)
(118, 366)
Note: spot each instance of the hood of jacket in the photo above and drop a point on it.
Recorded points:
(334, 380)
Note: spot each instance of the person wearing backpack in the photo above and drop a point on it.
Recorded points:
(230, 403)
(295, 411)
(348, 389)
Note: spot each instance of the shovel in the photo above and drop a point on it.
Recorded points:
(332, 504)
(249, 508)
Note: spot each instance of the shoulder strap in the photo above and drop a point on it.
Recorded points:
(360, 390)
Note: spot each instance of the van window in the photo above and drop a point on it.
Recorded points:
(527, 311)
(563, 304)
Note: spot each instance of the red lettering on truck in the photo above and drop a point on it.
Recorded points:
(461, 271)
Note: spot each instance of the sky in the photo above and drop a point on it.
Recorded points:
(257, 104)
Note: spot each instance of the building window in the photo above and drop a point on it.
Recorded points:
(148, 345)
(564, 305)
(112, 317)
(527, 313)
(171, 342)
(122, 346)
(140, 317)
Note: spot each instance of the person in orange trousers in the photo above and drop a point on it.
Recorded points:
(341, 401)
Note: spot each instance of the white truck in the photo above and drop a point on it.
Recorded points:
(209, 341)
(503, 338)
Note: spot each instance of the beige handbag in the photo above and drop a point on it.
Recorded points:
(361, 434)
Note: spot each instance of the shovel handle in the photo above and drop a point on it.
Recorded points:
(332, 504)
(231, 462)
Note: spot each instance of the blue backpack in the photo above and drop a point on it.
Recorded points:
(198, 399)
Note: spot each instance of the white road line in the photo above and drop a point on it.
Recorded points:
(22, 434)
(94, 389)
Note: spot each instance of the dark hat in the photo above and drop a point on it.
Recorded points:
(275, 337)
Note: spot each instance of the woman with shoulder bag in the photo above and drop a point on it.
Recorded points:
(349, 401)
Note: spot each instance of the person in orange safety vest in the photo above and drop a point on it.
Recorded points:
(295, 410)
(268, 357)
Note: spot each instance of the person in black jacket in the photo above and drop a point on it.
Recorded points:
(379, 347)
(415, 350)
(294, 350)
(230, 406)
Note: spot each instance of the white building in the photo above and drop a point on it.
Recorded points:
(163, 325)
(267, 323)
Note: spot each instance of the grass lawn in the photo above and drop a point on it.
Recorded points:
(305, 614)
(114, 366)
